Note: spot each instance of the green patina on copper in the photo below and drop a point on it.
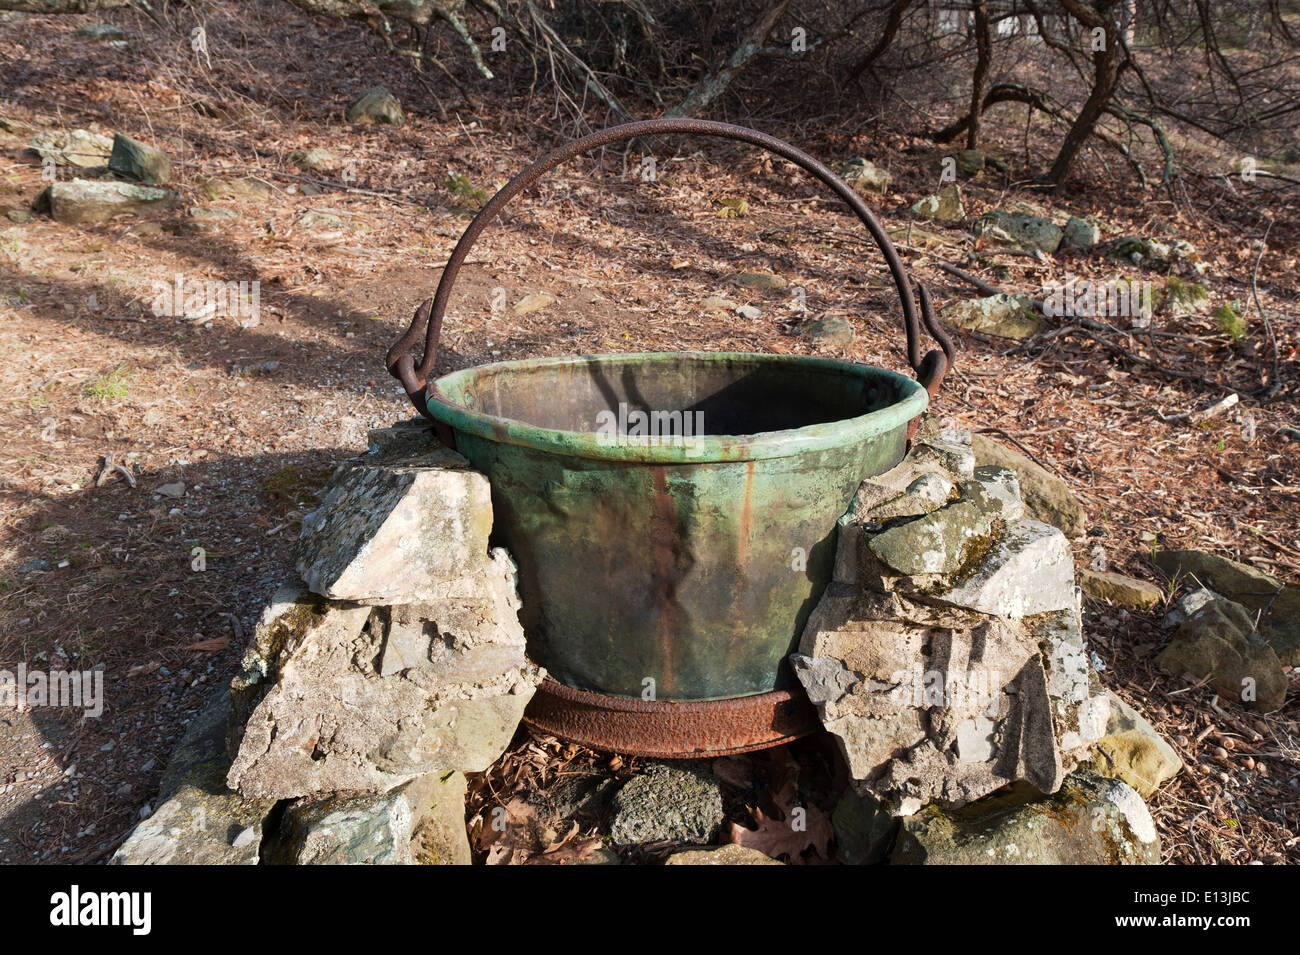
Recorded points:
(693, 562)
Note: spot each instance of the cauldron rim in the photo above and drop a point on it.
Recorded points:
(444, 407)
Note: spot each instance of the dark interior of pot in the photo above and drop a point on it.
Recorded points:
(715, 395)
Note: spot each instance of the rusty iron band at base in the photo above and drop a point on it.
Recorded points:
(680, 730)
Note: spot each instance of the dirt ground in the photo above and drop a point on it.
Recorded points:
(97, 567)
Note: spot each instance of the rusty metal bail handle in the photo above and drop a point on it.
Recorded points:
(427, 322)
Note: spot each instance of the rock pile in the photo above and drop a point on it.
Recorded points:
(947, 658)
(365, 695)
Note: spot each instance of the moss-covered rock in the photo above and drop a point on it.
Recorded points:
(938, 543)
(1219, 644)
(198, 821)
(1276, 603)
(137, 161)
(376, 106)
(1090, 821)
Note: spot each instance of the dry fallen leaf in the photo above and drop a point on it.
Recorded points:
(802, 827)
(569, 852)
(789, 837)
(507, 832)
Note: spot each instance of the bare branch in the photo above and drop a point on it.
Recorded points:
(715, 84)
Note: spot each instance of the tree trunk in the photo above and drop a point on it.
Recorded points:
(1129, 22)
(716, 83)
(893, 20)
(1107, 63)
(984, 46)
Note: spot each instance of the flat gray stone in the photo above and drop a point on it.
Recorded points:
(101, 33)
(82, 201)
(824, 679)
(77, 147)
(401, 526)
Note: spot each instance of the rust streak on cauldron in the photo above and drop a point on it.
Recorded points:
(664, 518)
